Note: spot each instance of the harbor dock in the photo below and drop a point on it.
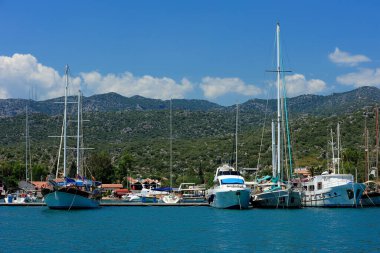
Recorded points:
(116, 204)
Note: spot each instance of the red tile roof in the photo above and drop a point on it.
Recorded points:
(112, 186)
(39, 184)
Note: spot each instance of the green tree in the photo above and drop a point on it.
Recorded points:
(40, 172)
(12, 173)
(101, 168)
(124, 167)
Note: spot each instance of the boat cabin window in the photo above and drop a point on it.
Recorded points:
(350, 194)
(232, 181)
(319, 186)
(230, 172)
(311, 187)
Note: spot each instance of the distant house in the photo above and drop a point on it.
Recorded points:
(112, 187)
(138, 184)
(116, 189)
(248, 170)
(305, 172)
(39, 184)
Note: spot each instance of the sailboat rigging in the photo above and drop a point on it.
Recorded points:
(272, 191)
(229, 190)
(79, 193)
(371, 195)
(171, 198)
(332, 189)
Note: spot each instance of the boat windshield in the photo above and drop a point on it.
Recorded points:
(232, 181)
(229, 172)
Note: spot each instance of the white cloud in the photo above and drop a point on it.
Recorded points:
(364, 77)
(214, 87)
(297, 84)
(345, 58)
(128, 85)
(21, 73)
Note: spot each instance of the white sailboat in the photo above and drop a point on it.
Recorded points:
(371, 195)
(26, 194)
(229, 190)
(171, 198)
(275, 193)
(332, 189)
(71, 193)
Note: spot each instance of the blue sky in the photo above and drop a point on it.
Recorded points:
(214, 50)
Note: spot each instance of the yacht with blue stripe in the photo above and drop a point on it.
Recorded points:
(229, 190)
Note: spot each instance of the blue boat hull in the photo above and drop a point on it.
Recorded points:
(66, 201)
(230, 199)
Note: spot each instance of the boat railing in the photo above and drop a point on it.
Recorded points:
(234, 185)
(333, 183)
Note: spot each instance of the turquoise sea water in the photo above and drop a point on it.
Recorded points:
(188, 229)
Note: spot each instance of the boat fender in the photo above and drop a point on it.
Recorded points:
(211, 198)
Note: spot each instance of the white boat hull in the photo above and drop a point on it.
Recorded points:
(64, 200)
(346, 195)
(277, 199)
(17, 199)
(230, 198)
(170, 199)
(131, 198)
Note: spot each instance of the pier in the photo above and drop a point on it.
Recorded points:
(116, 204)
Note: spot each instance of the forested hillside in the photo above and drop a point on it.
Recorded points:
(130, 136)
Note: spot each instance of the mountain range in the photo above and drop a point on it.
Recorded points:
(336, 103)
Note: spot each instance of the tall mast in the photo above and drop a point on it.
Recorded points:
(338, 144)
(78, 132)
(332, 151)
(26, 143)
(236, 137)
(377, 142)
(366, 170)
(171, 145)
(368, 164)
(65, 121)
(278, 104)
